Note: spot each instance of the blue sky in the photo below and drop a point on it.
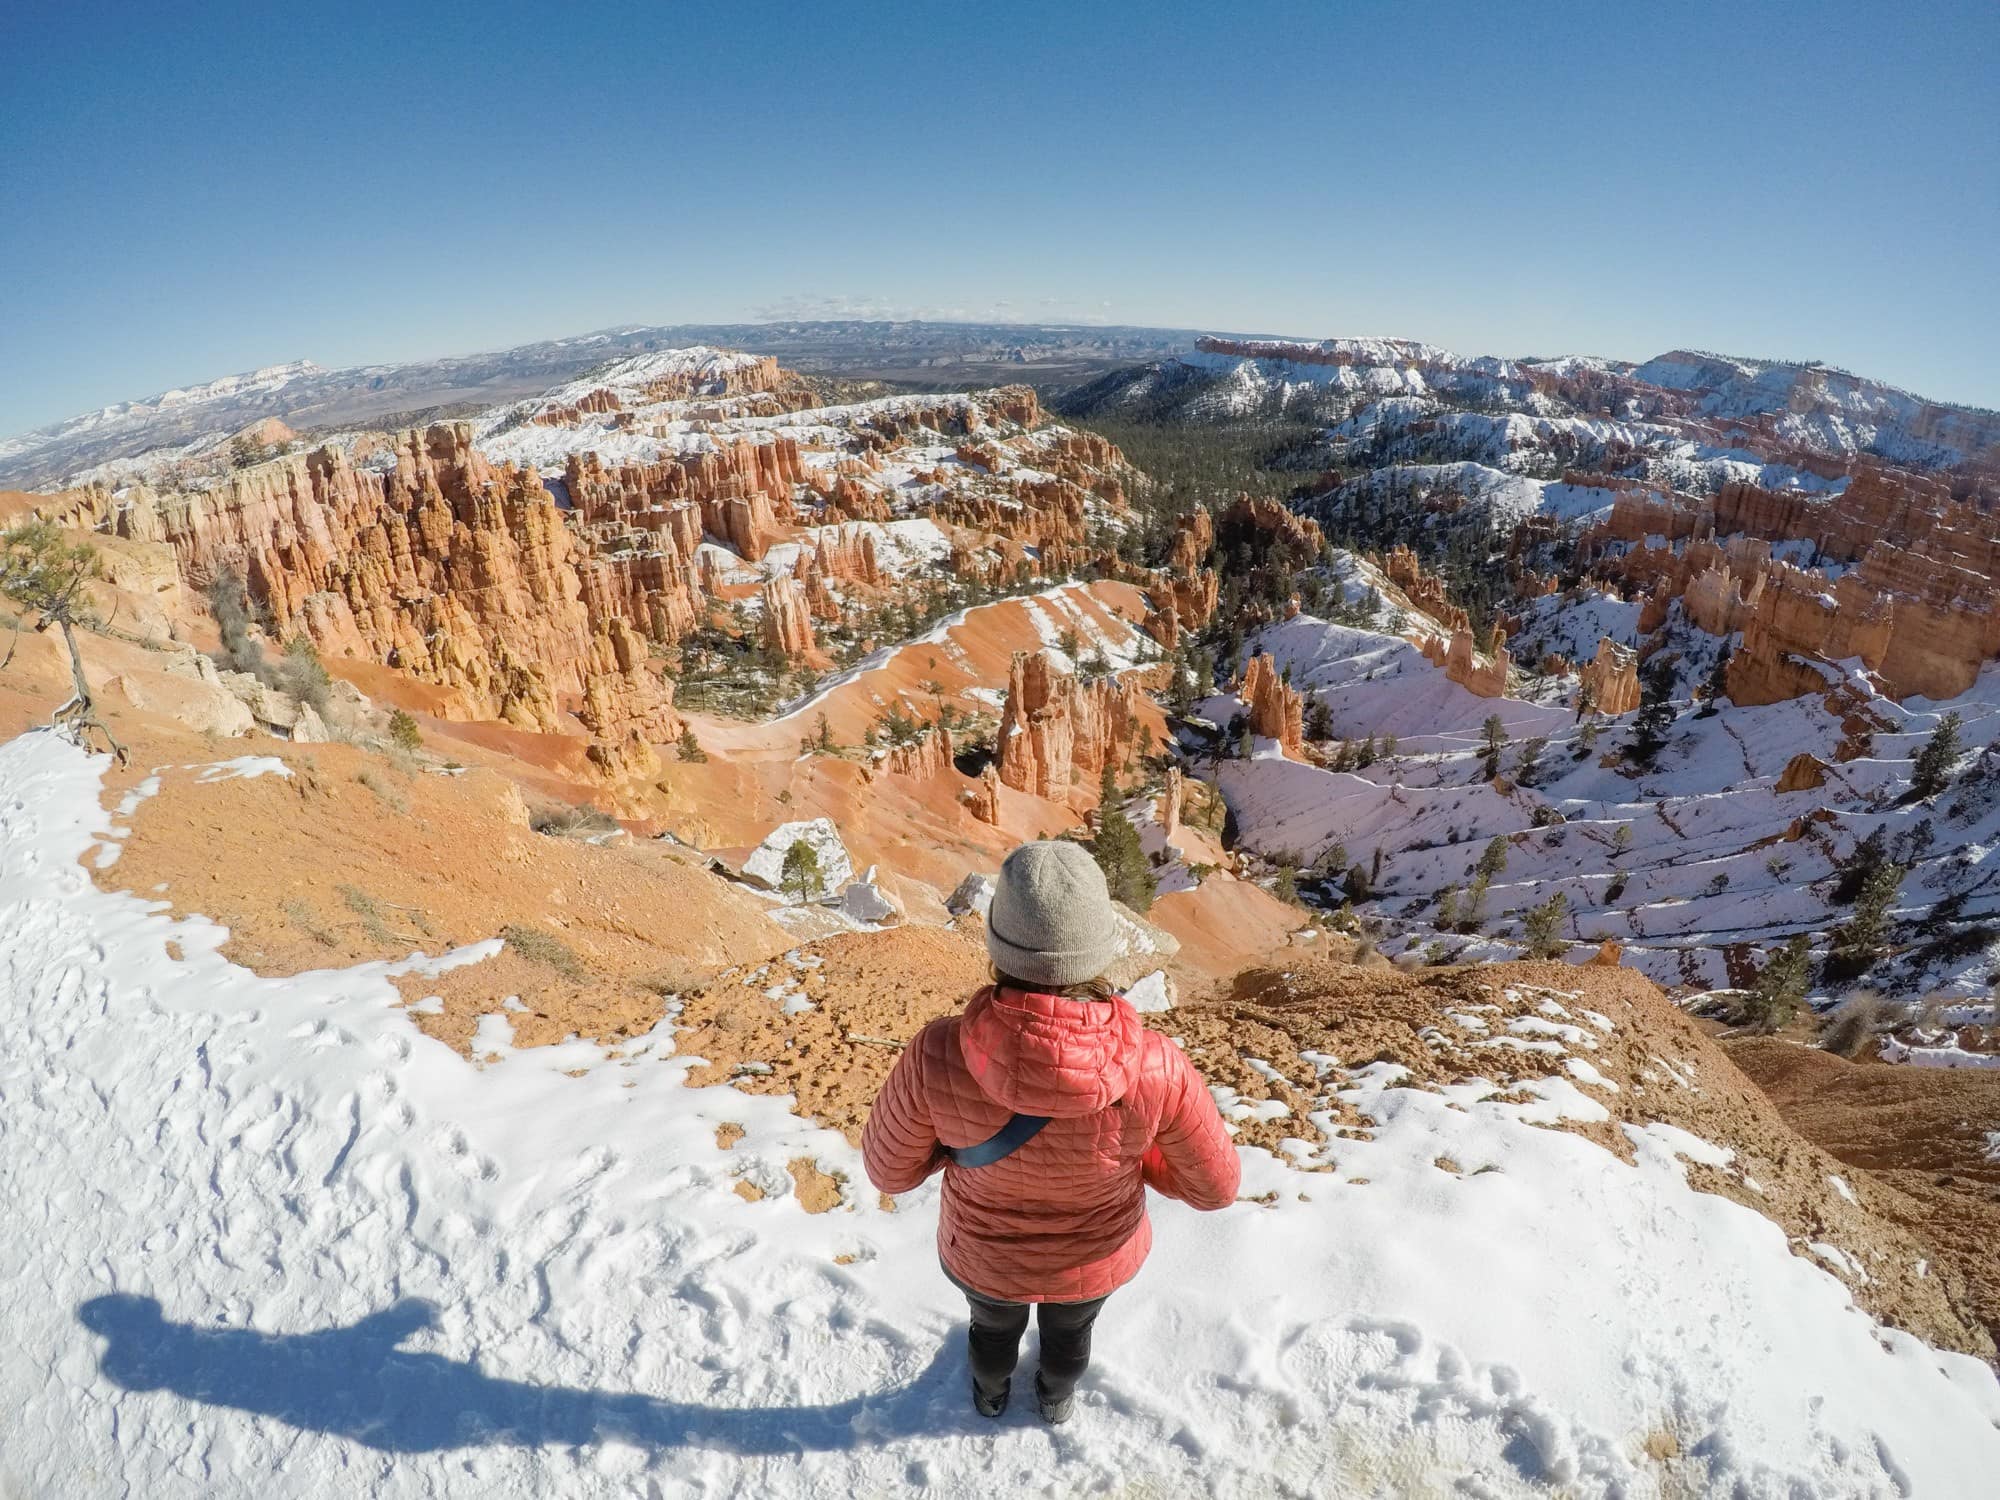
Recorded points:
(188, 191)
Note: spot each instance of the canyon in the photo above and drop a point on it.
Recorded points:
(595, 659)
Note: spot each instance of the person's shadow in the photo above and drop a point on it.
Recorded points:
(354, 1382)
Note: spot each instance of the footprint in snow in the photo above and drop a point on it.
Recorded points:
(395, 1048)
(468, 1163)
(320, 1035)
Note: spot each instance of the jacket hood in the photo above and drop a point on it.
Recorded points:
(1048, 1055)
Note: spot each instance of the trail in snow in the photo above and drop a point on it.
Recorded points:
(265, 1238)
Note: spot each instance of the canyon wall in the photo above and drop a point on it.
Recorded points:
(1891, 569)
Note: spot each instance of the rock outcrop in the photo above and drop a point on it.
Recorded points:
(458, 572)
(787, 618)
(1276, 711)
(1609, 681)
(1804, 772)
(983, 801)
(1898, 572)
(1485, 677)
(926, 758)
(1057, 734)
(1425, 591)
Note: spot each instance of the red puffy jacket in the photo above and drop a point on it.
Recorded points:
(1063, 1219)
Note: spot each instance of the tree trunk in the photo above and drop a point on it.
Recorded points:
(82, 710)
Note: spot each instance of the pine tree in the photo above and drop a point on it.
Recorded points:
(1180, 686)
(1863, 937)
(690, 747)
(1492, 859)
(1473, 915)
(800, 876)
(1781, 985)
(1332, 861)
(1542, 927)
(1493, 733)
(1121, 857)
(1655, 716)
(1528, 761)
(44, 572)
(1355, 885)
(1716, 686)
(1319, 721)
(1932, 772)
(1447, 908)
(1867, 857)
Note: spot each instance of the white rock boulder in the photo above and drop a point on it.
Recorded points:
(766, 864)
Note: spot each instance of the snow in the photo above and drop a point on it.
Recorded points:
(245, 767)
(1150, 993)
(267, 1225)
(1505, 497)
(133, 414)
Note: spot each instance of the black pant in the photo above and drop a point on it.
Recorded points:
(993, 1343)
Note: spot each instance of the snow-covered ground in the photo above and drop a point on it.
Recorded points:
(1712, 855)
(265, 1238)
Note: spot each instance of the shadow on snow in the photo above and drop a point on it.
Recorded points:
(355, 1383)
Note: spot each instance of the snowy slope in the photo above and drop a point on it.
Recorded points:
(268, 1239)
(1712, 856)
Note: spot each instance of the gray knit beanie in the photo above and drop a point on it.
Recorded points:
(1051, 921)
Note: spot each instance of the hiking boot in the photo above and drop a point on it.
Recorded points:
(1056, 1409)
(991, 1406)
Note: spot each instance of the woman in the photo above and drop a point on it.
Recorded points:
(1050, 1110)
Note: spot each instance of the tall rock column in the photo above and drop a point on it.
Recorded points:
(787, 618)
(1057, 734)
(1276, 711)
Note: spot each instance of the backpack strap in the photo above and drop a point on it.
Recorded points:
(1011, 1137)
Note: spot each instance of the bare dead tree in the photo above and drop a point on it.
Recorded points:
(43, 572)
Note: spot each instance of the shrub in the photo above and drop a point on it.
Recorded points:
(1856, 1021)
(544, 948)
(304, 675)
(690, 747)
(390, 795)
(1542, 927)
(1285, 886)
(403, 731)
(369, 911)
(561, 820)
(231, 608)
